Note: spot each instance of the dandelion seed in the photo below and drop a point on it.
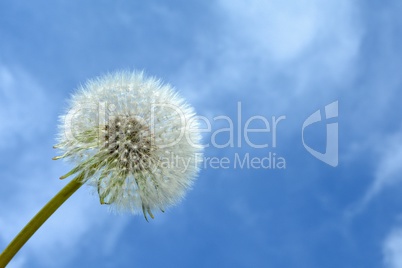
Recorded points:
(120, 131)
(125, 133)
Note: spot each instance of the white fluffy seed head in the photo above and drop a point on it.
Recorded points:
(134, 138)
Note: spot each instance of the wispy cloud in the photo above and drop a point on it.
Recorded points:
(392, 249)
(314, 32)
(276, 29)
(30, 179)
(388, 172)
(24, 108)
(257, 44)
(65, 230)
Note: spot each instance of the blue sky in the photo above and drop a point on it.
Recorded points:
(278, 58)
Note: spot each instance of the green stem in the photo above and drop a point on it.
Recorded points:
(39, 219)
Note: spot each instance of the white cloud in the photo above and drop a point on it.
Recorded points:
(392, 249)
(278, 29)
(282, 31)
(31, 179)
(24, 108)
(389, 170)
(65, 231)
(310, 44)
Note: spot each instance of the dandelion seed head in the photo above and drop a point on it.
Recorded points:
(131, 136)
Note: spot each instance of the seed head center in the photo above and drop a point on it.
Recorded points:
(129, 142)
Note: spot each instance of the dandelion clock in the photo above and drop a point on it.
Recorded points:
(133, 139)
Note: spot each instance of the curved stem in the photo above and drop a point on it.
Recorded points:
(37, 221)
